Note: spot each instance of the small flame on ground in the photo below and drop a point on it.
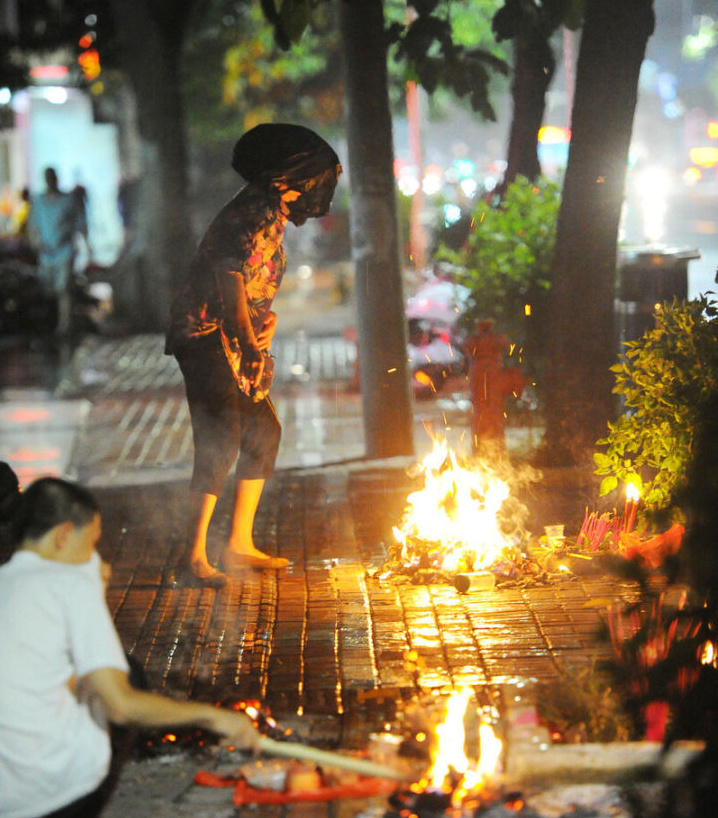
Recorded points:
(451, 758)
(457, 508)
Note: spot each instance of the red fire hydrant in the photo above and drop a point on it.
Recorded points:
(491, 383)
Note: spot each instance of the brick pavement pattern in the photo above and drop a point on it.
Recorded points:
(315, 637)
(325, 644)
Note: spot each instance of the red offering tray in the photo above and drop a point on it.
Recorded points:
(244, 794)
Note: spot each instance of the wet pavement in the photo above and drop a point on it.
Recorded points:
(330, 648)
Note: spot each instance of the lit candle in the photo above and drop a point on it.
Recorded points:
(629, 511)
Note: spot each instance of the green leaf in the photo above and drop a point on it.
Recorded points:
(608, 484)
(602, 461)
(665, 380)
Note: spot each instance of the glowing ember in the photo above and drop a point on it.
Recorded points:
(450, 760)
(708, 654)
(456, 510)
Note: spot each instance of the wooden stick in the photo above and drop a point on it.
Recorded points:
(289, 749)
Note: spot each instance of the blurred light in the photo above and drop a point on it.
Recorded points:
(90, 63)
(432, 181)
(304, 271)
(406, 177)
(55, 95)
(32, 455)
(48, 72)
(87, 39)
(653, 186)
(666, 86)
(452, 214)
(5, 96)
(692, 175)
(408, 184)
(696, 46)
(653, 182)
(552, 135)
(26, 414)
(673, 109)
(527, 310)
(469, 187)
(91, 20)
(490, 183)
(712, 130)
(464, 168)
(704, 157)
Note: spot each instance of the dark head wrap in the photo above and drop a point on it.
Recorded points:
(278, 153)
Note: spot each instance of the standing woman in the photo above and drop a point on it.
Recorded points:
(221, 331)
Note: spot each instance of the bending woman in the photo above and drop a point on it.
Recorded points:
(221, 331)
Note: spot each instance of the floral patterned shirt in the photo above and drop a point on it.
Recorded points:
(244, 239)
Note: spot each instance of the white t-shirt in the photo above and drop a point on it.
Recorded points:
(54, 627)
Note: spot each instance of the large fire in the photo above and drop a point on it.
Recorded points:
(455, 514)
(450, 761)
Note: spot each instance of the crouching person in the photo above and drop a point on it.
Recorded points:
(63, 671)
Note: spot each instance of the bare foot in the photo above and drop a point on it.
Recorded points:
(208, 575)
(235, 560)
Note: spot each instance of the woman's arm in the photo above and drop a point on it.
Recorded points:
(237, 324)
(265, 335)
(126, 706)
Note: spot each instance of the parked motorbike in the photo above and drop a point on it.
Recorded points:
(435, 343)
(26, 306)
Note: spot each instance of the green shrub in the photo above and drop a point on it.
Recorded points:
(665, 379)
(506, 260)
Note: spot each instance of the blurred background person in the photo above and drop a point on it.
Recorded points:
(54, 222)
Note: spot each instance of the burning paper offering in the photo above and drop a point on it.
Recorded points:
(454, 780)
(463, 518)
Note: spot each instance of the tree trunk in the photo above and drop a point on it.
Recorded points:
(375, 234)
(152, 35)
(582, 344)
(533, 71)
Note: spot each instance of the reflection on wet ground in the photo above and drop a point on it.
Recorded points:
(313, 639)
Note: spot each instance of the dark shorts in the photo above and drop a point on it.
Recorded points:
(89, 806)
(225, 422)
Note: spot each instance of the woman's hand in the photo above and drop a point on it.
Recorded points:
(265, 335)
(235, 729)
(252, 363)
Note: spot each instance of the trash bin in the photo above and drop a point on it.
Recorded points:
(648, 276)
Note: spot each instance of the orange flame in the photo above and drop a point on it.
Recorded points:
(457, 509)
(450, 756)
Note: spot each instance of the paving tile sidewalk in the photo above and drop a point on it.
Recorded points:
(326, 645)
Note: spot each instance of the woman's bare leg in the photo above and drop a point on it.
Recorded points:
(246, 501)
(241, 542)
(201, 508)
